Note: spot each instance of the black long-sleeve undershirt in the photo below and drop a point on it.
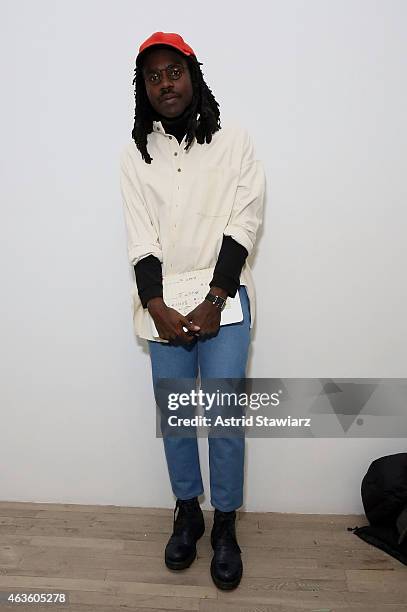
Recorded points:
(231, 259)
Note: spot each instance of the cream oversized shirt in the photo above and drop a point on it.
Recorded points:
(179, 207)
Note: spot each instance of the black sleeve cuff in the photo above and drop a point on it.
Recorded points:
(151, 292)
(231, 259)
(148, 273)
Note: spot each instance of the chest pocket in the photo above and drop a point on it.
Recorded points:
(213, 191)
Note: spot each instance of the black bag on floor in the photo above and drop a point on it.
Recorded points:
(384, 497)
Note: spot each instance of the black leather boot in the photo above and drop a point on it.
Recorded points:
(226, 565)
(189, 526)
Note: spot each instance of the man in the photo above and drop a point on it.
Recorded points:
(193, 199)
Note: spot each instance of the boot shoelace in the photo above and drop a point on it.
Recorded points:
(184, 508)
(224, 531)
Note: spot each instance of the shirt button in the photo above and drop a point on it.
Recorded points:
(175, 153)
(179, 169)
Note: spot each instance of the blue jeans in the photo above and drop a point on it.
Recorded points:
(220, 356)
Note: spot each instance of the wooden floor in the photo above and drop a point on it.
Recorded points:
(110, 559)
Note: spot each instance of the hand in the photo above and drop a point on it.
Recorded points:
(169, 322)
(207, 316)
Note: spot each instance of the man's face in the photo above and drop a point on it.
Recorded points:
(159, 84)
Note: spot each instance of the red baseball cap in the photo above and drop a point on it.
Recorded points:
(166, 38)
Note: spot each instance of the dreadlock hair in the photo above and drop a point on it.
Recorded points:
(203, 102)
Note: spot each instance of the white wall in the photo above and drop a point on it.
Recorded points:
(321, 86)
